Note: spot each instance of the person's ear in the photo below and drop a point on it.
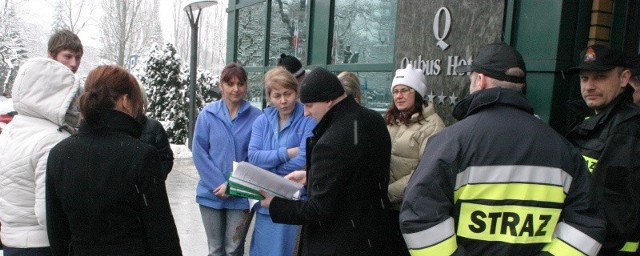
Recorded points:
(482, 81)
(625, 76)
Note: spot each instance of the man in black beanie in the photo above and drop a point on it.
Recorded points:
(346, 176)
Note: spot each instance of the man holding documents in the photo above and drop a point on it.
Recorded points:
(347, 175)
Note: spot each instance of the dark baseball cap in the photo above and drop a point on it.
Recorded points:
(494, 60)
(599, 58)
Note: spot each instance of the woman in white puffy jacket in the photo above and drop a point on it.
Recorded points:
(42, 94)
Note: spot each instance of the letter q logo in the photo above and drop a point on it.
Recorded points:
(447, 27)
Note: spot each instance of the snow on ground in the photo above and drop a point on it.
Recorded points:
(180, 151)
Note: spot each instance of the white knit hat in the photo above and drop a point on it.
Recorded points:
(411, 77)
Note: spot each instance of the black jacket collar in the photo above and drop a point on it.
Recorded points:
(113, 121)
(490, 97)
(327, 119)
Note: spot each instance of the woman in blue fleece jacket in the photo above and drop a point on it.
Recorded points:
(221, 136)
(278, 144)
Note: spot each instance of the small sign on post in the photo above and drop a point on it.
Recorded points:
(133, 60)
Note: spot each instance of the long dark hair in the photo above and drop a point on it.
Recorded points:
(393, 116)
(104, 85)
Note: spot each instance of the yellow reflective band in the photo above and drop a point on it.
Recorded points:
(557, 247)
(446, 247)
(591, 162)
(507, 223)
(630, 247)
(511, 191)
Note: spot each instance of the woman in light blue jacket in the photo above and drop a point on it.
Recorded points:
(278, 143)
(221, 136)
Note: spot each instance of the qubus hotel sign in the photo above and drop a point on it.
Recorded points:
(437, 36)
(434, 67)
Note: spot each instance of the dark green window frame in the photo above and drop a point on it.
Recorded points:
(318, 46)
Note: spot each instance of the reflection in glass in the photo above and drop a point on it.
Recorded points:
(288, 29)
(251, 35)
(375, 87)
(363, 31)
(255, 94)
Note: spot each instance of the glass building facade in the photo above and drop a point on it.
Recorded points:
(370, 38)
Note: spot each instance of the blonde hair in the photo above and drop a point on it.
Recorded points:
(281, 77)
(351, 84)
(145, 99)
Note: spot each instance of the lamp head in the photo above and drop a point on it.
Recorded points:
(199, 4)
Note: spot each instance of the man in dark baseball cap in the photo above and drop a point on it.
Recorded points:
(609, 142)
(480, 165)
(496, 65)
(494, 60)
(602, 76)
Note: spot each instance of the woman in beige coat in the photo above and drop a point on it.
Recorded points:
(410, 121)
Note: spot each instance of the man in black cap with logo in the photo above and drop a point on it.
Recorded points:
(609, 142)
(500, 181)
(346, 176)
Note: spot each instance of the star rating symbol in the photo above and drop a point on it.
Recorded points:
(431, 97)
(441, 98)
(453, 98)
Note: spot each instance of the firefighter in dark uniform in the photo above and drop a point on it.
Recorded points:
(609, 141)
(500, 181)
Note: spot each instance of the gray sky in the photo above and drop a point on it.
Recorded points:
(41, 13)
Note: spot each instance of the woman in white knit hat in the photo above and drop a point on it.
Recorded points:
(410, 121)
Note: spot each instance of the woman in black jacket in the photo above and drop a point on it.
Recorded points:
(105, 189)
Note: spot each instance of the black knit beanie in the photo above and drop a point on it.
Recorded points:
(320, 85)
(292, 64)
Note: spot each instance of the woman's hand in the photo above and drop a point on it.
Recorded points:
(292, 152)
(220, 191)
(267, 199)
(299, 176)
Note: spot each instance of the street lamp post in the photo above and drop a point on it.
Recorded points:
(189, 8)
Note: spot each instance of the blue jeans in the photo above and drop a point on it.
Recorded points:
(226, 230)
(39, 251)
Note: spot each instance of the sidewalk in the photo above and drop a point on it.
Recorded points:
(181, 188)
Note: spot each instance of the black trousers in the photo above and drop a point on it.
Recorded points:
(398, 246)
